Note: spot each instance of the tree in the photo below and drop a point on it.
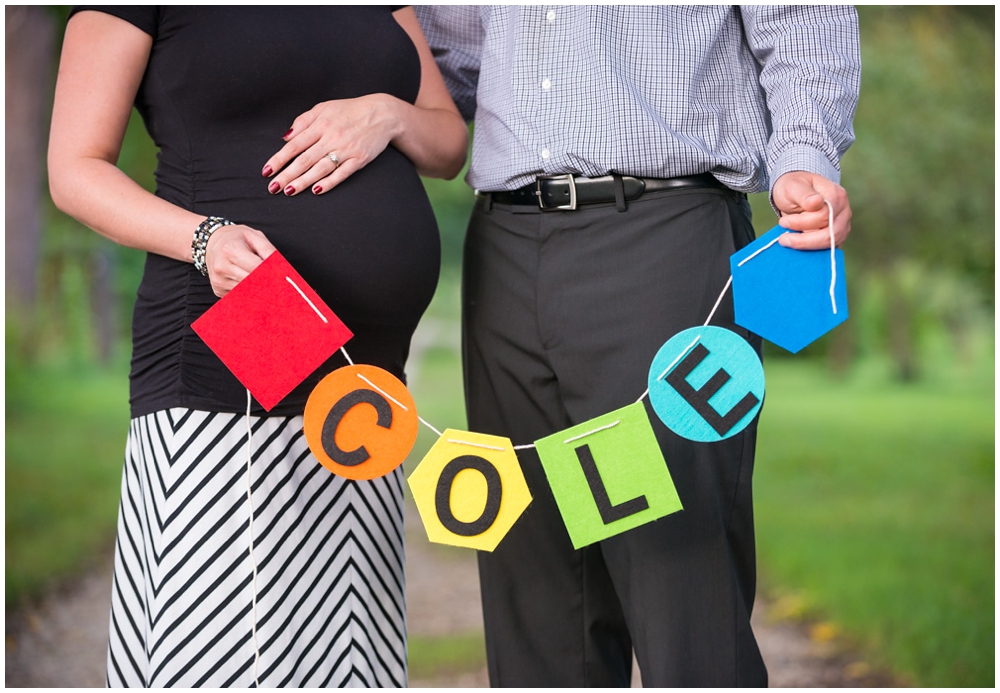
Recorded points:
(29, 54)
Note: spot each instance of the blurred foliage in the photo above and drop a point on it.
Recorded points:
(65, 440)
(920, 176)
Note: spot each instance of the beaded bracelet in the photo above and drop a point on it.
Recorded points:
(200, 241)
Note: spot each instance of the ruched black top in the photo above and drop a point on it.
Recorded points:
(223, 84)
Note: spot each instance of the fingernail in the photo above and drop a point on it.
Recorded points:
(285, 136)
(289, 190)
(317, 190)
(266, 172)
(273, 187)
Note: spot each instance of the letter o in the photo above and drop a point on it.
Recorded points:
(494, 494)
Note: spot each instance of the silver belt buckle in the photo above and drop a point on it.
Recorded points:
(572, 192)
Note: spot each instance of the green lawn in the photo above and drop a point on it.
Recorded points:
(875, 509)
(65, 443)
(449, 654)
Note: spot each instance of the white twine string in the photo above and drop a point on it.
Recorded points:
(590, 433)
(833, 257)
(475, 445)
(833, 260)
(421, 420)
(711, 315)
(757, 252)
(679, 357)
(718, 301)
(306, 299)
(253, 560)
(383, 392)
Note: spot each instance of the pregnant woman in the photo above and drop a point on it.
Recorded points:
(352, 93)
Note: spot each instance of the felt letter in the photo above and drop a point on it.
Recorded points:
(608, 475)
(469, 490)
(706, 384)
(609, 512)
(494, 493)
(360, 442)
(699, 398)
(359, 454)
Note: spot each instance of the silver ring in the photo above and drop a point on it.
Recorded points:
(333, 157)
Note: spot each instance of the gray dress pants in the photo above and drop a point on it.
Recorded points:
(562, 315)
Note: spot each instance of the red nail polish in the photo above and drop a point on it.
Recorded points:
(266, 172)
(273, 187)
(285, 136)
(289, 190)
(317, 190)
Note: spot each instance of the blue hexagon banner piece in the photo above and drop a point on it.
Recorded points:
(706, 384)
(783, 295)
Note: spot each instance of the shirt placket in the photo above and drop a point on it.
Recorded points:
(550, 149)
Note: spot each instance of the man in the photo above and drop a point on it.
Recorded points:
(612, 152)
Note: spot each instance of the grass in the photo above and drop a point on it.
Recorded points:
(875, 509)
(65, 442)
(450, 654)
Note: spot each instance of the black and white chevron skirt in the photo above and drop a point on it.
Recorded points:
(328, 551)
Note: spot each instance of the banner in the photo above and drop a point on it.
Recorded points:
(607, 475)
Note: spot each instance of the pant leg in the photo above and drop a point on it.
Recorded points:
(686, 582)
(552, 616)
(604, 291)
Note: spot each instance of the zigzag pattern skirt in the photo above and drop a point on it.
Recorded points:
(329, 558)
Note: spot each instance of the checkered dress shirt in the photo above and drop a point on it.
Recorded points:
(746, 93)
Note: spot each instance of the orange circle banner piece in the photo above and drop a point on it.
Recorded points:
(360, 422)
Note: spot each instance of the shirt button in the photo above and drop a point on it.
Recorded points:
(551, 15)
(546, 154)
(546, 84)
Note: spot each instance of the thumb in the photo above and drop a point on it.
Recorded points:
(797, 194)
(258, 243)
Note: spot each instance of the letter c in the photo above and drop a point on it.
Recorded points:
(352, 458)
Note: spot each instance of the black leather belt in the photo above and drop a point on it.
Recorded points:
(567, 192)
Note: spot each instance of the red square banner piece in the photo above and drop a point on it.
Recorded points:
(272, 330)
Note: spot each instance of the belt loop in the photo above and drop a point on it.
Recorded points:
(489, 203)
(619, 192)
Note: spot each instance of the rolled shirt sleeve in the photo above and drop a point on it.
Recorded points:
(810, 73)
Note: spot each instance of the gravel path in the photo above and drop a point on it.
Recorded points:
(61, 641)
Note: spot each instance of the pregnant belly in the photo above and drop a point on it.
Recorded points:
(369, 247)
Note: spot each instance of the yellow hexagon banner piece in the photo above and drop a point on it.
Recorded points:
(469, 490)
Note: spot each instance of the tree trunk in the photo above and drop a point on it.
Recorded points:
(902, 335)
(841, 349)
(102, 301)
(30, 34)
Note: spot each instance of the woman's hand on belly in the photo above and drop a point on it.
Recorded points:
(232, 253)
(329, 142)
(334, 139)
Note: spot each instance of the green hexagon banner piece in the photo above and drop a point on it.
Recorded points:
(608, 475)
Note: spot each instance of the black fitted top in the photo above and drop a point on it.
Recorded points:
(223, 84)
